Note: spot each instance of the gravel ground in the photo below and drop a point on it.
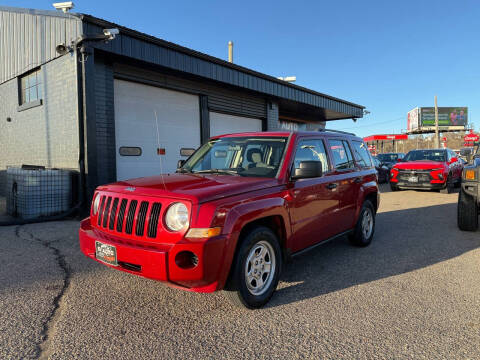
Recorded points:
(413, 294)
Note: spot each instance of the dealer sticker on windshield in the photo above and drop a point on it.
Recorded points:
(106, 253)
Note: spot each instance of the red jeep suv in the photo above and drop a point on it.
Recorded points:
(235, 211)
(433, 169)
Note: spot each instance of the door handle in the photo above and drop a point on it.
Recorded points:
(331, 186)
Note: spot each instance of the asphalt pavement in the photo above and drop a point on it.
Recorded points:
(413, 294)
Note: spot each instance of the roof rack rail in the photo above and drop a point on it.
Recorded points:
(338, 131)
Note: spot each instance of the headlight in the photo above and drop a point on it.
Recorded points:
(176, 217)
(96, 204)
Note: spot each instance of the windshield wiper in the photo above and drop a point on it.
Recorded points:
(217, 171)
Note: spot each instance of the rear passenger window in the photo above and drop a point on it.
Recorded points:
(342, 156)
(311, 150)
(362, 154)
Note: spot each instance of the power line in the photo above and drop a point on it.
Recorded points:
(370, 125)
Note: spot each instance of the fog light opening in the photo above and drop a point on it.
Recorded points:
(186, 260)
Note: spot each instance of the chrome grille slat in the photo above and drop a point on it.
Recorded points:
(113, 213)
(131, 216)
(142, 214)
(106, 212)
(100, 210)
(153, 220)
(121, 215)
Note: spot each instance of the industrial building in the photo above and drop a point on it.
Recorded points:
(75, 95)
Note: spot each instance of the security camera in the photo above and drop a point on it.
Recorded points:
(64, 6)
(110, 33)
(62, 49)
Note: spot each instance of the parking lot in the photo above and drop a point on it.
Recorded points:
(414, 293)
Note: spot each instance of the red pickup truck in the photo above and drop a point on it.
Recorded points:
(239, 207)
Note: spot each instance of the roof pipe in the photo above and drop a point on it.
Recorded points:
(230, 52)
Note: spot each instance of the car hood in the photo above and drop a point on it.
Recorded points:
(194, 187)
(419, 165)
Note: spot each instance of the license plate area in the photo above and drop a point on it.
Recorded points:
(106, 253)
(413, 179)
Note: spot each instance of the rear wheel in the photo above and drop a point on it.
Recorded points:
(467, 212)
(256, 269)
(394, 187)
(365, 228)
(449, 186)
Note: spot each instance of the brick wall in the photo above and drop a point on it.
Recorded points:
(46, 134)
(272, 117)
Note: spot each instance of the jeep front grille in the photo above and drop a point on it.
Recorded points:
(126, 216)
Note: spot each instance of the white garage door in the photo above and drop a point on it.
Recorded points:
(226, 124)
(178, 120)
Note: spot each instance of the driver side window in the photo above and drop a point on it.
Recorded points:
(311, 150)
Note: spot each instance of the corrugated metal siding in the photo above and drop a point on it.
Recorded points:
(144, 50)
(28, 40)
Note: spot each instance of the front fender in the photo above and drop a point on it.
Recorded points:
(243, 214)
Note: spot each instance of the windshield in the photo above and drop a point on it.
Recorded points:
(387, 158)
(241, 156)
(426, 155)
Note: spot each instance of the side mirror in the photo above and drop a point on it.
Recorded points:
(453, 160)
(180, 163)
(399, 160)
(308, 169)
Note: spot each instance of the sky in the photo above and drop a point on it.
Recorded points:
(389, 56)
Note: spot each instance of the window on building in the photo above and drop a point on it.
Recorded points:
(342, 156)
(31, 87)
(362, 154)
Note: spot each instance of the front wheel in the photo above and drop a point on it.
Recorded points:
(467, 212)
(365, 228)
(394, 187)
(256, 269)
(449, 186)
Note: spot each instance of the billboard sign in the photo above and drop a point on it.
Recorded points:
(412, 119)
(449, 118)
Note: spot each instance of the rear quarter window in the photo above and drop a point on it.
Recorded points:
(362, 155)
(341, 155)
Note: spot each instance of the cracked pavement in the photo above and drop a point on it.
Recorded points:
(414, 293)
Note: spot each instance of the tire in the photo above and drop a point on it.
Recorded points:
(363, 233)
(449, 187)
(467, 212)
(394, 187)
(243, 288)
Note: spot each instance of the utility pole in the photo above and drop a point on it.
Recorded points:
(437, 134)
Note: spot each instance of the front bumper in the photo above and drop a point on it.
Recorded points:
(157, 261)
(420, 185)
(471, 188)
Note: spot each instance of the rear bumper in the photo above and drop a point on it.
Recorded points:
(157, 261)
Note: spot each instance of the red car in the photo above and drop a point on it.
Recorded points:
(427, 169)
(235, 210)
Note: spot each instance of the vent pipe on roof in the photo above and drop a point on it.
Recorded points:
(230, 51)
